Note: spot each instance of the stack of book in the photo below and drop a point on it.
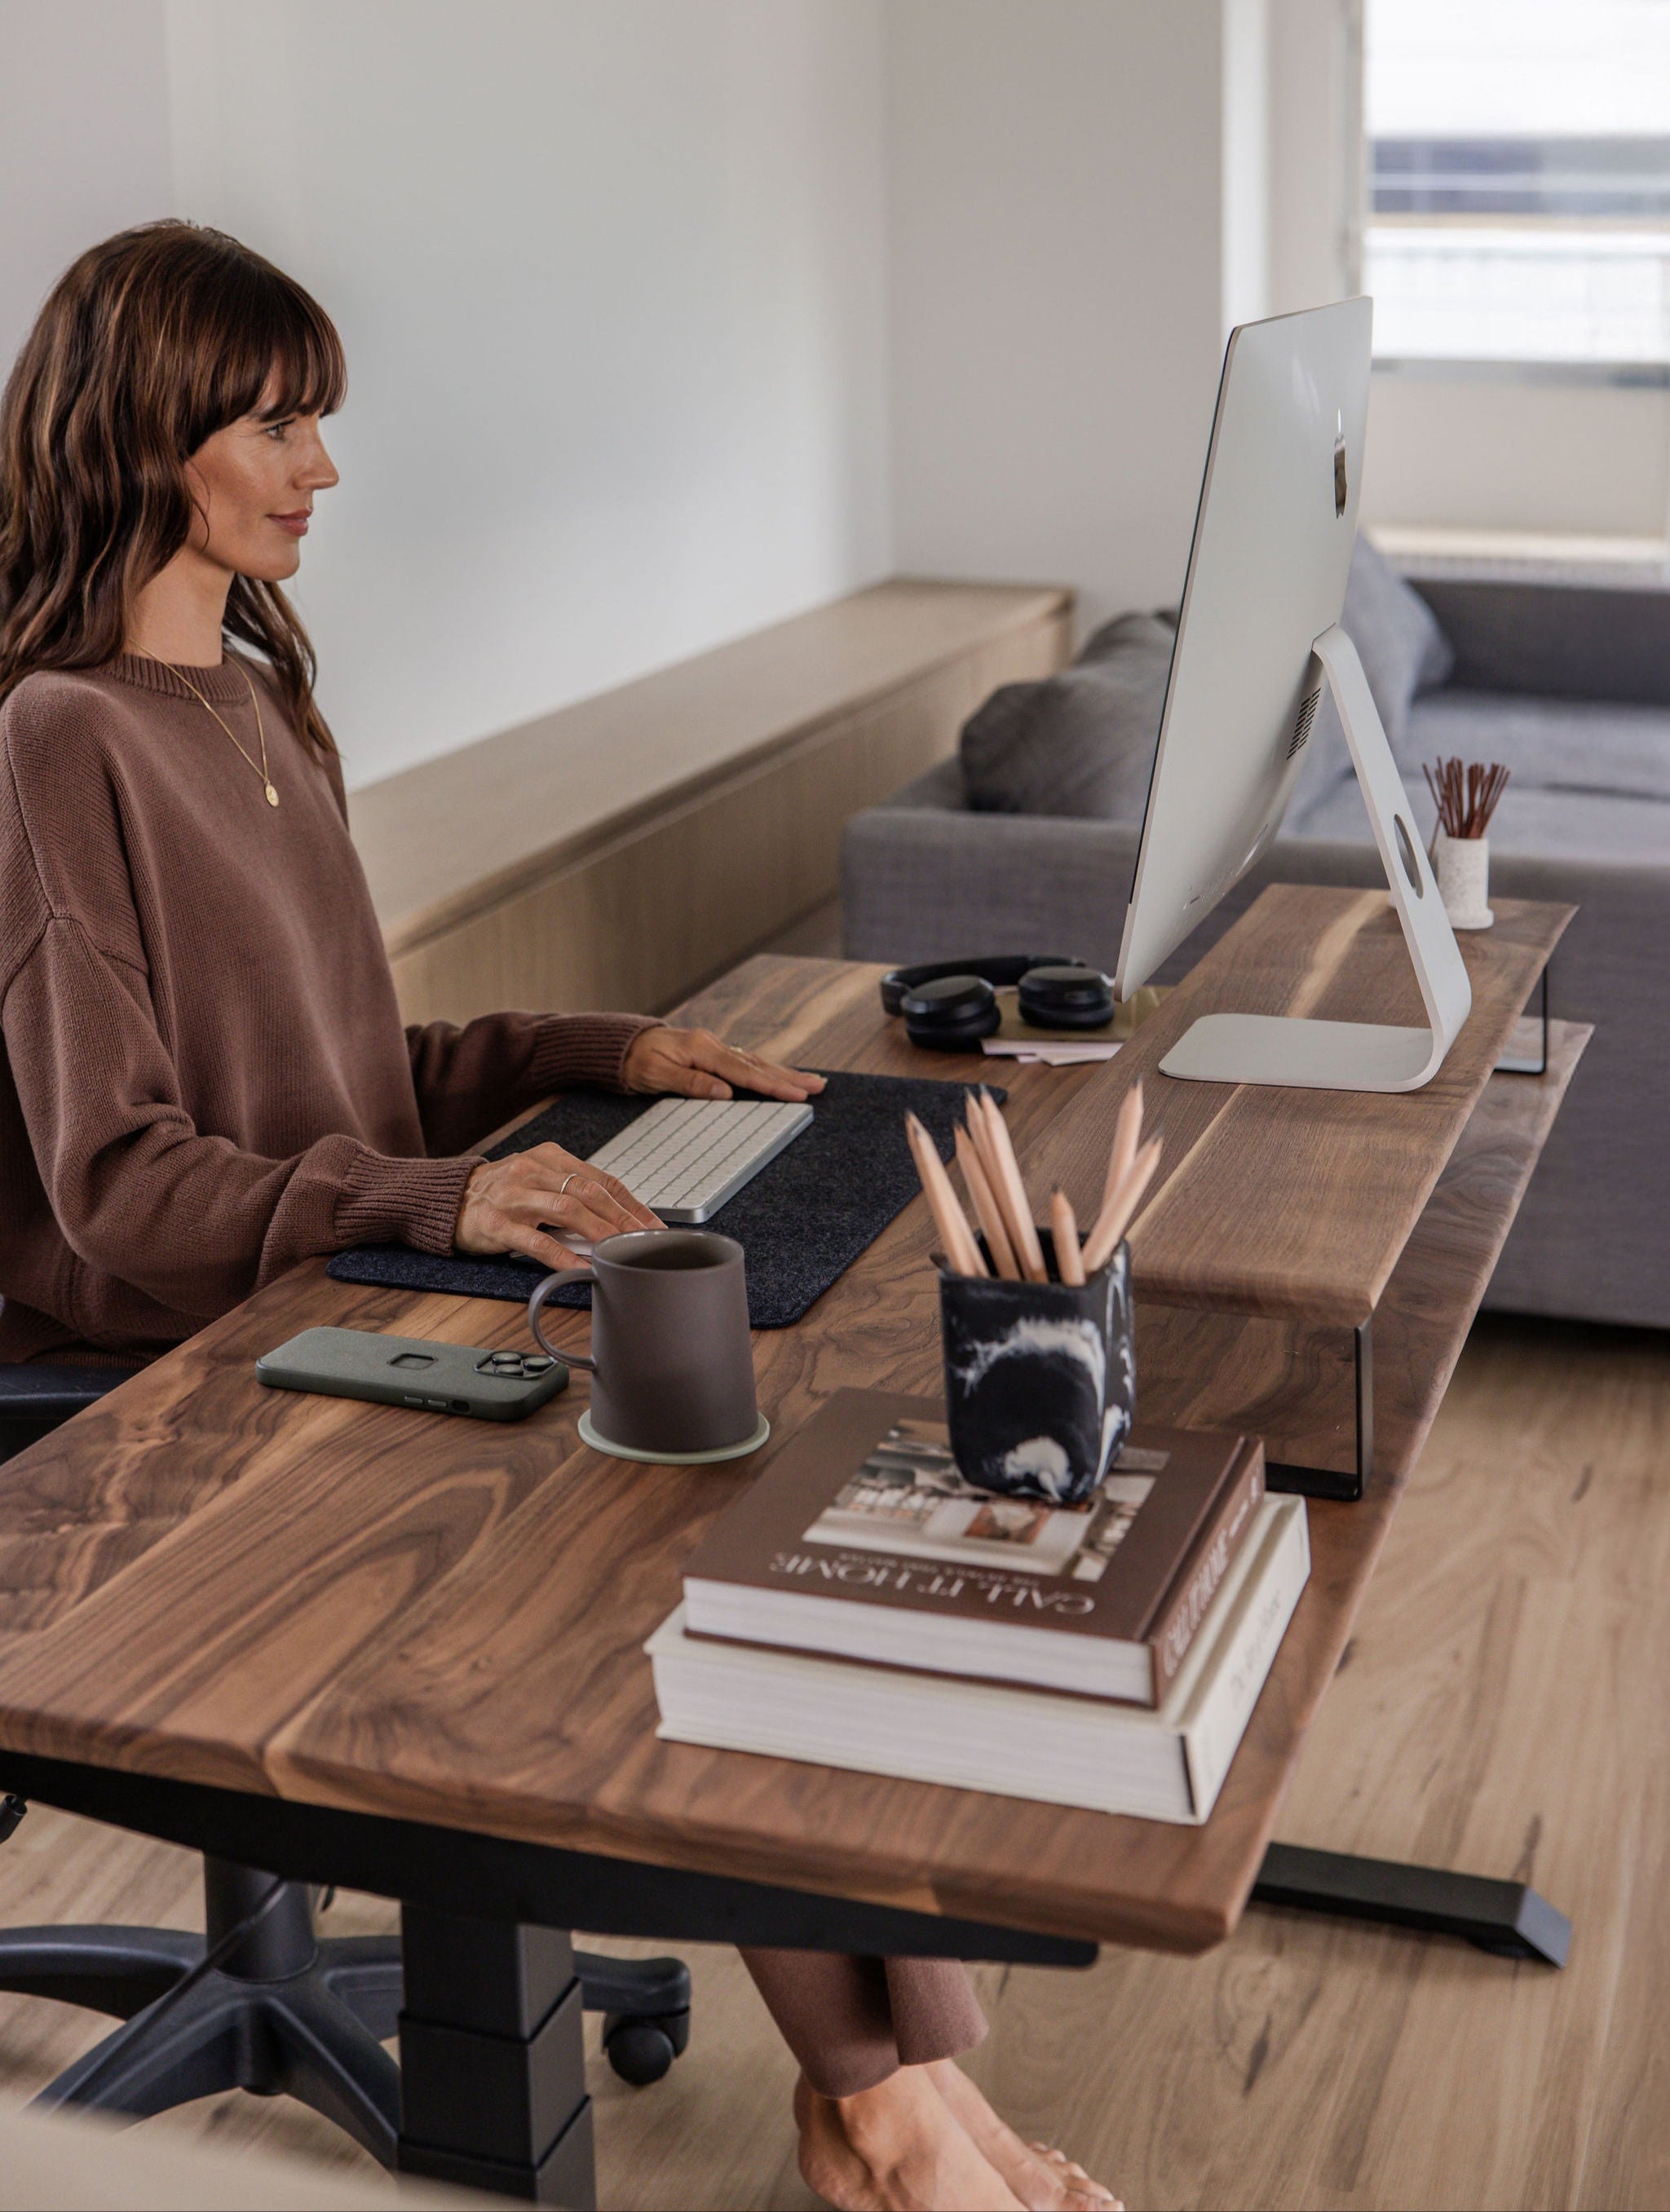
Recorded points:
(863, 1607)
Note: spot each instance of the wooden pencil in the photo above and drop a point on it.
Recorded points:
(1022, 1234)
(986, 1207)
(981, 1111)
(980, 1136)
(1127, 1135)
(1069, 1260)
(962, 1252)
(1117, 1216)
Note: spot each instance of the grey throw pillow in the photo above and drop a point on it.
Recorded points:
(1402, 651)
(1079, 743)
(1397, 636)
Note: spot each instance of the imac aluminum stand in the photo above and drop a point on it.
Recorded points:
(1319, 1056)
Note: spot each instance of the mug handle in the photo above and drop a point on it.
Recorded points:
(541, 1297)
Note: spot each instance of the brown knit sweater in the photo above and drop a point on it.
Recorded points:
(205, 1076)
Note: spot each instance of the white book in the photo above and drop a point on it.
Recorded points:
(1061, 1749)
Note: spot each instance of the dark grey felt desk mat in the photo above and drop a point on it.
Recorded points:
(801, 1223)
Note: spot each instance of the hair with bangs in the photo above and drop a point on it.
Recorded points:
(147, 345)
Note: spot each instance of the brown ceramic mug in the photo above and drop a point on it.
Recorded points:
(672, 1361)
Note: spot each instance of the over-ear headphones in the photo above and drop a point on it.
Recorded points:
(949, 1004)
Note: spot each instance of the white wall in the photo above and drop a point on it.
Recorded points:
(83, 139)
(1059, 272)
(609, 276)
(1316, 161)
(1486, 455)
(614, 277)
(1244, 180)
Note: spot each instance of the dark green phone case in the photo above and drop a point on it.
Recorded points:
(412, 1371)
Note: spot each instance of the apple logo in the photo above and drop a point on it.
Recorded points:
(1339, 487)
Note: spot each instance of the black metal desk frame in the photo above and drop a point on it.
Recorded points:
(491, 2089)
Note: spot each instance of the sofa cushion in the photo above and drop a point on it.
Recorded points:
(1589, 781)
(1079, 743)
(1593, 828)
(1571, 746)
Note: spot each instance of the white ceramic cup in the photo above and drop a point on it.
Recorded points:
(1462, 865)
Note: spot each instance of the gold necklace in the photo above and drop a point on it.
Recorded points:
(268, 784)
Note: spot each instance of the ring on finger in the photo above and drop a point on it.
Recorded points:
(562, 1187)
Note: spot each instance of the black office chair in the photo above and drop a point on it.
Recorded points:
(259, 2000)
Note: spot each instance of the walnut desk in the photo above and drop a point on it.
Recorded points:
(348, 1642)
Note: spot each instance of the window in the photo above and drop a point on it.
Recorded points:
(1519, 181)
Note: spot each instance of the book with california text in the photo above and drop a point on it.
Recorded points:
(861, 1541)
(1167, 1763)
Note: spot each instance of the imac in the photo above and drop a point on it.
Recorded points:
(1257, 637)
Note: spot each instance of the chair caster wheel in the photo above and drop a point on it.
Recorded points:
(640, 2051)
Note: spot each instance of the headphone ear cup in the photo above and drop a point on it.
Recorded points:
(1062, 995)
(950, 1013)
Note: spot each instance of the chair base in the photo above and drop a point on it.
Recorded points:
(315, 2034)
(284, 2013)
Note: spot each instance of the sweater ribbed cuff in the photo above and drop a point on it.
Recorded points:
(586, 1048)
(394, 1201)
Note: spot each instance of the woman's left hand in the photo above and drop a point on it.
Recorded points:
(694, 1063)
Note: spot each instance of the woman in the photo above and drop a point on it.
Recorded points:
(206, 1079)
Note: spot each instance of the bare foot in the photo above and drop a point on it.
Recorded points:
(1044, 2179)
(894, 2148)
(829, 2165)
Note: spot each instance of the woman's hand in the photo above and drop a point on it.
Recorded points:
(695, 1064)
(508, 1204)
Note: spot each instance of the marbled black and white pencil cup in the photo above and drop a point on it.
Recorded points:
(1040, 1378)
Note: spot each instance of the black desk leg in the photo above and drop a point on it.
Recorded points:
(1327, 1482)
(1513, 1063)
(1504, 1918)
(492, 2064)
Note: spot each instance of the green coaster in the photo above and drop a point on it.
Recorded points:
(589, 1434)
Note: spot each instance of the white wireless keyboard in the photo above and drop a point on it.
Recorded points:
(687, 1156)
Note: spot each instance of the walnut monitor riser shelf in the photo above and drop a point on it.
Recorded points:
(1309, 1387)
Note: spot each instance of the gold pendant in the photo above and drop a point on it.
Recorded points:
(272, 796)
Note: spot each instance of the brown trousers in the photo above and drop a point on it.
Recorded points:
(851, 2022)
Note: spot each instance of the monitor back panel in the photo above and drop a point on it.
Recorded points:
(1266, 574)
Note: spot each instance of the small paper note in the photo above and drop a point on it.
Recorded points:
(1036, 1052)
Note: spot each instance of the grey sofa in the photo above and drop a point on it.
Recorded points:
(1567, 682)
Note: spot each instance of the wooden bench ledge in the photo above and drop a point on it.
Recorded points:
(455, 837)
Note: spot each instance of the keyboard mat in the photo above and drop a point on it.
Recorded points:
(801, 1223)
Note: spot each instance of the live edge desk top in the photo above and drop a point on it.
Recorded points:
(356, 1606)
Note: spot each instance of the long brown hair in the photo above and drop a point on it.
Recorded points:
(147, 345)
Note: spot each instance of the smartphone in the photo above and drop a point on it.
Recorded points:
(411, 1371)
